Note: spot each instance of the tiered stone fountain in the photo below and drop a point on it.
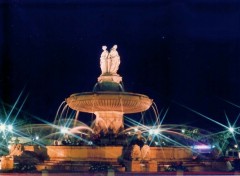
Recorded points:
(109, 102)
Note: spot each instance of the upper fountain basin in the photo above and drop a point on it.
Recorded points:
(124, 102)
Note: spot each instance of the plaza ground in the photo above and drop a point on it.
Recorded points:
(44, 173)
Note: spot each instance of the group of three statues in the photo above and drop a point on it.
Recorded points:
(109, 61)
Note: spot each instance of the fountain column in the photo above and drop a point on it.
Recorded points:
(110, 120)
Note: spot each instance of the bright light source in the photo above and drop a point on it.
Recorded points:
(156, 131)
(36, 137)
(2, 127)
(151, 131)
(202, 147)
(135, 129)
(183, 130)
(231, 129)
(235, 146)
(64, 130)
(9, 127)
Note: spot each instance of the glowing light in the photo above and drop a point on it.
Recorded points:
(151, 131)
(235, 146)
(231, 129)
(202, 147)
(156, 131)
(64, 130)
(183, 130)
(9, 127)
(36, 137)
(135, 129)
(2, 127)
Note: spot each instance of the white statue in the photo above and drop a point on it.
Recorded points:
(109, 62)
(114, 60)
(104, 60)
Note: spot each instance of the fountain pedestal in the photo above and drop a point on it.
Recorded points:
(110, 78)
(108, 121)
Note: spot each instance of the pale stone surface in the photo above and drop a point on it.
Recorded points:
(110, 103)
(115, 60)
(16, 150)
(109, 62)
(145, 152)
(104, 60)
(109, 107)
(136, 153)
(110, 78)
(125, 102)
(108, 121)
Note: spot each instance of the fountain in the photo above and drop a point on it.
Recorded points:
(106, 141)
(108, 101)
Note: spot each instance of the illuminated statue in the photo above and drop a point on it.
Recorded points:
(109, 62)
(115, 60)
(104, 60)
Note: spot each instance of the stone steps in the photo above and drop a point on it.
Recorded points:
(74, 166)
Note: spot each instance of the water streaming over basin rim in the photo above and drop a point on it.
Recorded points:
(125, 102)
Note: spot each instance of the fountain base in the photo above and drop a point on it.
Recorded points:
(82, 158)
(108, 122)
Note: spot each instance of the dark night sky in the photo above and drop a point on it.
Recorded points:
(178, 52)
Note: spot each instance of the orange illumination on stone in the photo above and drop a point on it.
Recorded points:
(124, 102)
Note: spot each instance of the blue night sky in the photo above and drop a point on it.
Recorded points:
(178, 52)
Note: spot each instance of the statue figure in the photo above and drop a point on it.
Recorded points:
(109, 62)
(135, 152)
(104, 60)
(16, 150)
(114, 63)
(145, 152)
